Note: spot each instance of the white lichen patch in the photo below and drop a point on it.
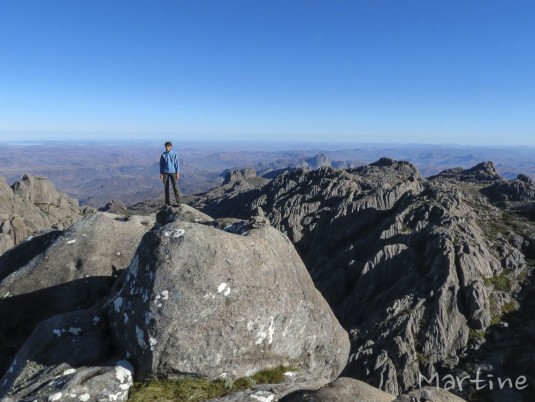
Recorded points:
(96, 320)
(69, 371)
(148, 318)
(264, 334)
(179, 233)
(250, 326)
(227, 291)
(117, 303)
(221, 287)
(263, 396)
(260, 336)
(217, 359)
(176, 233)
(163, 296)
(70, 242)
(141, 342)
(84, 397)
(290, 374)
(125, 318)
(152, 342)
(133, 267)
(57, 332)
(75, 331)
(118, 253)
(208, 295)
(55, 397)
(271, 331)
(122, 374)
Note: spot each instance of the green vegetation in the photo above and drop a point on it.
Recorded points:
(199, 390)
(406, 229)
(500, 282)
(498, 313)
(511, 219)
(422, 358)
(509, 307)
(476, 334)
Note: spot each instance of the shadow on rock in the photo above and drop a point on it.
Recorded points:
(21, 314)
(22, 254)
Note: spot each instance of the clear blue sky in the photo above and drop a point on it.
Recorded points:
(426, 71)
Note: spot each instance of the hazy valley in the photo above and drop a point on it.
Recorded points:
(97, 172)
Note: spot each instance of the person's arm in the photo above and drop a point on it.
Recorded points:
(177, 167)
(162, 165)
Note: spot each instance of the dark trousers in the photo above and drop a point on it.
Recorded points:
(170, 177)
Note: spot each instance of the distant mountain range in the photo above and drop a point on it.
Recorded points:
(95, 173)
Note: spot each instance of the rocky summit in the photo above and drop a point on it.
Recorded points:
(200, 298)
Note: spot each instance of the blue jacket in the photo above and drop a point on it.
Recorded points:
(169, 162)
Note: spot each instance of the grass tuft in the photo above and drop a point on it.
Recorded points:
(200, 390)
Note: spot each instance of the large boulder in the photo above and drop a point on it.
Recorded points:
(63, 271)
(200, 301)
(342, 390)
(68, 358)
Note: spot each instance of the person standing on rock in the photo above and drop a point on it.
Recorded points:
(170, 171)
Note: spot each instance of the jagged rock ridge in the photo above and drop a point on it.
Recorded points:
(408, 264)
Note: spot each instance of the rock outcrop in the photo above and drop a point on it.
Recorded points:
(68, 358)
(485, 171)
(201, 298)
(63, 271)
(239, 174)
(428, 276)
(30, 205)
(349, 390)
(511, 190)
(199, 301)
(409, 265)
(342, 390)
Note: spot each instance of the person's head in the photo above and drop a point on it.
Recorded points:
(168, 146)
